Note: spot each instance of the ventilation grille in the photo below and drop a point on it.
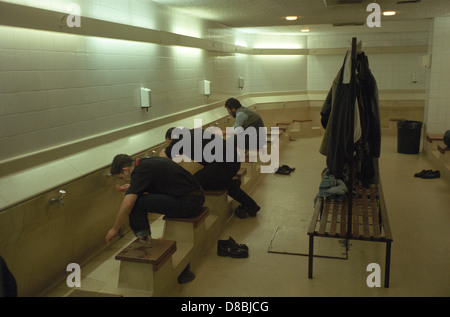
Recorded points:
(408, 1)
(330, 3)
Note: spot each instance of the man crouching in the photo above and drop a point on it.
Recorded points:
(157, 185)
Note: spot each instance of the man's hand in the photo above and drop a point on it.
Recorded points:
(111, 234)
(122, 188)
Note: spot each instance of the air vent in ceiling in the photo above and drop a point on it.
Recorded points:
(408, 1)
(348, 24)
(329, 3)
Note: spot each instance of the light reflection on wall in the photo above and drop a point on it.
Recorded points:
(279, 41)
(186, 52)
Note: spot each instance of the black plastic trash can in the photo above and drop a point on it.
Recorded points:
(408, 136)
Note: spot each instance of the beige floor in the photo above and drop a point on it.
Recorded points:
(419, 215)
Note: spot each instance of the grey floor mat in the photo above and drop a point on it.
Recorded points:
(295, 241)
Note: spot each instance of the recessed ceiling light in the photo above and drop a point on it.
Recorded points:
(306, 30)
(389, 13)
(291, 18)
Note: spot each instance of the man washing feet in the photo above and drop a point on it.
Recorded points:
(156, 185)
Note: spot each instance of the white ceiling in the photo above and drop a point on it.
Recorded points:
(268, 16)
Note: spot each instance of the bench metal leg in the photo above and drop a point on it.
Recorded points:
(310, 256)
(387, 265)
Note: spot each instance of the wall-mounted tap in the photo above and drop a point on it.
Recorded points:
(61, 195)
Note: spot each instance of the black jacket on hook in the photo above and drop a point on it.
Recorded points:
(336, 119)
(370, 147)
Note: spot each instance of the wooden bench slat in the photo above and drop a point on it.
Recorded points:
(384, 216)
(324, 218)
(366, 230)
(317, 209)
(344, 209)
(334, 219)
(375, 221)
(355, 217)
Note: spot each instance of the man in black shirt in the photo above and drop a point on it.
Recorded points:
(156, 185)
(218, 169)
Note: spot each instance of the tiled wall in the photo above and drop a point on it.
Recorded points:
(270, 73)
(438, 101)
(392, 71)
(57, 88)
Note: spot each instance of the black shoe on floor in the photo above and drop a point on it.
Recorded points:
(231, 248)
(287, 168)
(282, 171)
(232, 242)
(252, 211)
(431, 175)
(240, 212)
(423, 172)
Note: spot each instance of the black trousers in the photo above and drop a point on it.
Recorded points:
(219, 175)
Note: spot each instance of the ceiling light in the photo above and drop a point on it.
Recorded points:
(291, 18)
(306, 30)
(389, 13)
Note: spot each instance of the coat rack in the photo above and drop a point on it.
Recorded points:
(351, 139)
(334, 218)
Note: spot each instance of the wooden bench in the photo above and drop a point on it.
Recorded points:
(443, 148)
(393, 123)
(436, 149)
(444, 154)
(241, 173)
(196, 220)
(299, 129)
(369, 222)
(190, 234)
(217, 202)
(294, 128)
(302, 120)
(148, 268)
(431, 137)
(187, 230)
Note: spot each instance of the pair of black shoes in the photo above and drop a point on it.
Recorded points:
(231, 248)
(284, 170)
(428, 174)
